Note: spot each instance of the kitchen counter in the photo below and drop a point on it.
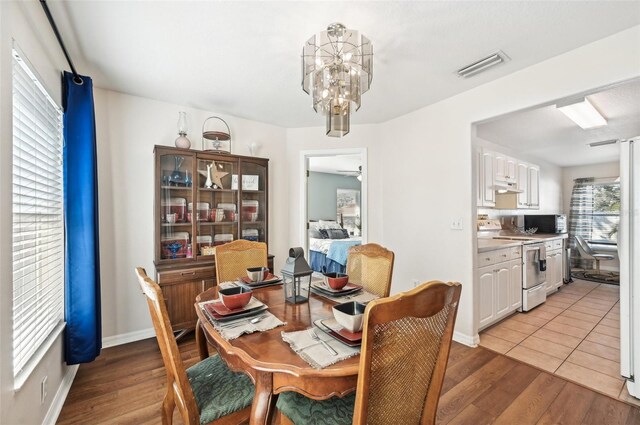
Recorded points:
(489, 244)
(485, 245)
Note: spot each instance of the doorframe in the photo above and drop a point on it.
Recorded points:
(304, 213)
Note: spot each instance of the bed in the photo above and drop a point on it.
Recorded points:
(327, 254)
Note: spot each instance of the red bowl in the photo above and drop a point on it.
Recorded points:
(234, 298)
(336, 280)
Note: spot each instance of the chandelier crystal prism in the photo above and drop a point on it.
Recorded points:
(337, 68)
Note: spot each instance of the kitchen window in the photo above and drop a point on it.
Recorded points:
(37, 211)
(606, 212)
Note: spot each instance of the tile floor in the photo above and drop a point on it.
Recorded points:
(574, 334)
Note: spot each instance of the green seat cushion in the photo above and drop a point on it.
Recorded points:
(218, 390)
(305, 411)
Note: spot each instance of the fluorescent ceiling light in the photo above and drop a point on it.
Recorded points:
(583, 113)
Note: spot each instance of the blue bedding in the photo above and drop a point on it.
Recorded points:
(319, 262)
(339, 250)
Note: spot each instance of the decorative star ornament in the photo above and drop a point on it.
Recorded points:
(217, 176)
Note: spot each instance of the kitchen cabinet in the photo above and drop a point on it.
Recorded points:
(522, 183)
(505, 168)
(528, 182)
(515, 284)
(488, 179)
(486, 308)
(555, 265)
(534, 187)
(499, 284)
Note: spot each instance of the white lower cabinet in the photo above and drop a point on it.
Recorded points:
(554, 270)
(486, 305)
(499, 288)
(515, 284)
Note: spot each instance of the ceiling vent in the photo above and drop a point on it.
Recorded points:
(483, 64)
(603, 143)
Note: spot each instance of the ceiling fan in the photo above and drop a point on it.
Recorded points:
(353, 173)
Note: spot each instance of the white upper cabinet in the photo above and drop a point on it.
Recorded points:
(534, 186)
(488, 179)
(505, 168)
(496, 169)
(522, 184)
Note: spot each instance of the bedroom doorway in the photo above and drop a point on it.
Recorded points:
(334, 205)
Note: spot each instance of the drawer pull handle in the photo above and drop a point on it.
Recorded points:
(504, 255)
(188, 273)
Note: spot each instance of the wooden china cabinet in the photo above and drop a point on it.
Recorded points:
(202, 200)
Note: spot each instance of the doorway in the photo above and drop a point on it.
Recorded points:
(333, 210)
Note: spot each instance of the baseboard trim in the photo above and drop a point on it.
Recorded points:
(471, 341)
(112, 341)
(61, 396)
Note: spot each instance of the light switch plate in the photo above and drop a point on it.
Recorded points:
(456, 224)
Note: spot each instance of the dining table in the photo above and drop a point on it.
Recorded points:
(270, 362)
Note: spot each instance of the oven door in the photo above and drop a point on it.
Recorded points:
(532, 274)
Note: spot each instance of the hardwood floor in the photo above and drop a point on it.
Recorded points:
(126, 385)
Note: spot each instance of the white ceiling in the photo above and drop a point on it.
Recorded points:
(334, 164)
(243, 58)
(548, 134)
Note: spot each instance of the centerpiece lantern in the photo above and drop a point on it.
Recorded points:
(296, 276)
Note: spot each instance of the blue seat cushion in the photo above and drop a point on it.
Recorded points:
(305, 411)
(218, 390)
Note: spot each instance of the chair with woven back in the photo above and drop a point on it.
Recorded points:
(207, 392)
(371, 266)
(232, 261)
(405, 349)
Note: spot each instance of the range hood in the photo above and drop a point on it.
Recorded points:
(501, 187)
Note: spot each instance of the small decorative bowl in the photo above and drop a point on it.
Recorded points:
(350, 315)
(336, 281)
(236, 297)
(257, 274)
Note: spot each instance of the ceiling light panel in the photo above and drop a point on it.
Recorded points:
(583, 113)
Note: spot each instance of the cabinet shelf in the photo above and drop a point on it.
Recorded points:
(217, 223)
(183, 188)
(176, 224)
(204, 189)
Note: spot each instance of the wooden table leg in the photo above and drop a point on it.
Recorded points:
(201, 342)
(264, 401)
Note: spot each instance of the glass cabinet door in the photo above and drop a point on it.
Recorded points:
(253, 208)
(176, 192)
(216, 210)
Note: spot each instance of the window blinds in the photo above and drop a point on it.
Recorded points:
(38, 236)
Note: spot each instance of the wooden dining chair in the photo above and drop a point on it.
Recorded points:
(371, 266)
(207, 392)
(405, 349)
(232, 261)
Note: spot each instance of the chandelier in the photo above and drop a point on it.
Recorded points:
(337, 68)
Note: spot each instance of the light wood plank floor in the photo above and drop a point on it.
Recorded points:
(575, 334)
(126, 385)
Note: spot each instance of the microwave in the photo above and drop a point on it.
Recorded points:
(549, 223)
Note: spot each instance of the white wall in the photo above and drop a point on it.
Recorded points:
(434, 142)
(421, 168)
(128, 127)
(551, 193)
(569, 174)
(25, 23)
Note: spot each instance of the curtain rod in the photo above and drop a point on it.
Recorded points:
(54, 27)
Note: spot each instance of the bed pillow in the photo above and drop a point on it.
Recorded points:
(324, 224)
(335, 233)
(315, 233)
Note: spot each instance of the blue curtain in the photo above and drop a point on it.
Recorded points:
(83, 334)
